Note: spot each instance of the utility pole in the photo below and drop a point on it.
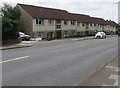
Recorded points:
(119, 12)
(119, 16)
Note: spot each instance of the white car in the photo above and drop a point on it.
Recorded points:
(24, 36)
(100, 35)
(35, 39)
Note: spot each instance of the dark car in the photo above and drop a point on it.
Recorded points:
(118, 33)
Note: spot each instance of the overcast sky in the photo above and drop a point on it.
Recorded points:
(107, 9)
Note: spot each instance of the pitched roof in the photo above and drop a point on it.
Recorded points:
(50, 13)
(42, 12)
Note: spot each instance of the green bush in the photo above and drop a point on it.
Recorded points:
(10, 21)
(9, 29)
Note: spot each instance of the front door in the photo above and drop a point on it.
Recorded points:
(58, 34)
(58, 29)
(87, 33)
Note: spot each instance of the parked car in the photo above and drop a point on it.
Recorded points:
(24, 36)
(35, 39)
(118, 33)
(100, 35)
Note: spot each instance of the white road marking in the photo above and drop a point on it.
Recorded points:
(116, 83)
(117, 70)
(14, 59)
(112, 67)
(115, 77)
(106, 85)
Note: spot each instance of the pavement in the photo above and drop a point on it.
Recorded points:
(31, 43)
(105, 76)
(21, 45)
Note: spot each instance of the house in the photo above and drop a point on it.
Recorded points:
(45, 22)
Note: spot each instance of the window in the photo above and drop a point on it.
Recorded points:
(83, 24)
(91, 24)
(87, 24)
(51, 22)
(72, 22)
(94, 24)
(39, 22)
(50, 35)
(87, 27)
(58, 22)
(40, 35)
(65, 22)
(101, 25)
(66, 34)
(78, 23)
(58, 26)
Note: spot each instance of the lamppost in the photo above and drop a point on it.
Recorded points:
(113, 8)
(119, 16)
(118, 11)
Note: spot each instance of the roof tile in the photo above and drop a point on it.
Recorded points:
(50, 13)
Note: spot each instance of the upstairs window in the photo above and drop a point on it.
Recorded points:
(94, 24)
(83, 24)
(51, 22)
(58, 21)
(78, 24)
(65, 22)
(39, 21)
(87, 24)
(58, 26)
(91, 24)
(72, 22)
(101, 25)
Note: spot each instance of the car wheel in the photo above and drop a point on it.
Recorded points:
(23, 39)
(27, 39)
(98, 37)
(102, 37)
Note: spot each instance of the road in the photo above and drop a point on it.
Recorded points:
(63, 64)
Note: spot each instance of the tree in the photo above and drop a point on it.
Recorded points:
(10, 21)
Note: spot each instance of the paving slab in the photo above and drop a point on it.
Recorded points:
(106, 76)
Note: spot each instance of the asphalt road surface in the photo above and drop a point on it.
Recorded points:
(63, 64)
